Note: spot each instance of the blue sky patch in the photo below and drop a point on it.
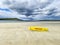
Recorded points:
(4, 9)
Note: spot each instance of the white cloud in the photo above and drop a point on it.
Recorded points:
(42, 12)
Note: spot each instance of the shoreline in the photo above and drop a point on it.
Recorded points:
(17, 21)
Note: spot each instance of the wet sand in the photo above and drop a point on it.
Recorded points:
(17, 33)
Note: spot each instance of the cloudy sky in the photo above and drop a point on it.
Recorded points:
(30, 9)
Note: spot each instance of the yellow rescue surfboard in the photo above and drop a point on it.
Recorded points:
(38, 28)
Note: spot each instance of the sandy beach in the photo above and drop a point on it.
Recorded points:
(17, 33)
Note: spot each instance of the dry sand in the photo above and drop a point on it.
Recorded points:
(17, 33)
